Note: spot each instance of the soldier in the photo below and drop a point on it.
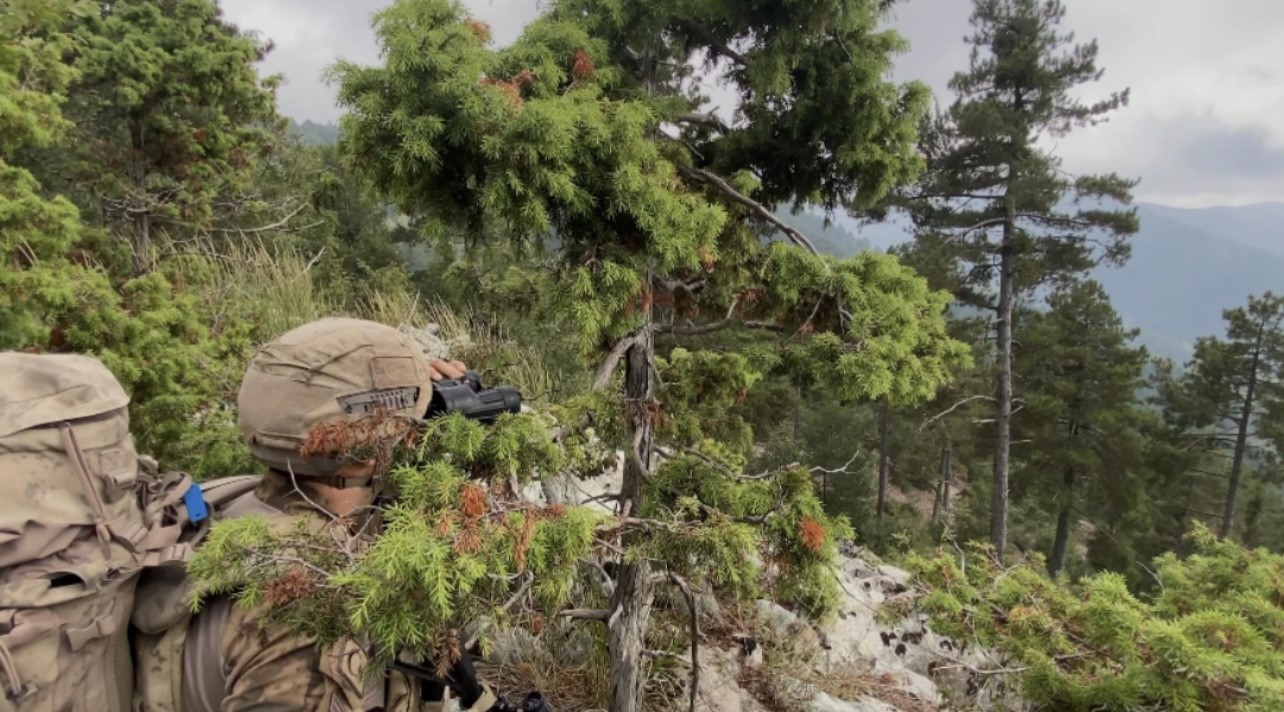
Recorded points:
(329, 370)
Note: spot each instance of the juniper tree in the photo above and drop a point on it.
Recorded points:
(54, 296)
(582, 130)
(36, 232)
(171, 118)
(1208, 638)
(996, 204)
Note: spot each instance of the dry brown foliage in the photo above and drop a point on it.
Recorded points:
(294, 584)
(813, 534)
(378, 433)
(581, 65)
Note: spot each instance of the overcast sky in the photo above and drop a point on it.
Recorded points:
(1203, 127)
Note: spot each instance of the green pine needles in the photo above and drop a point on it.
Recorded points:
(1210, 639)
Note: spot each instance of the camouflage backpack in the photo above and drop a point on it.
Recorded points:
(80, 520)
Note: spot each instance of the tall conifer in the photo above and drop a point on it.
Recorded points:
(995, 201)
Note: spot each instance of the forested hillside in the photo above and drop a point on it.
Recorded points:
(1187, 265)
(1102, 507)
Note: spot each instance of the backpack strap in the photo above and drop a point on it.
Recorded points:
(178, 510)
(184, 511)
(222, 492)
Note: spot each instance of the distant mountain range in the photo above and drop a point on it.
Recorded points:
(316, 134)
(1187, 266)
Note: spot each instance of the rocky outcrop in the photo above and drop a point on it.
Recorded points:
(853, 663)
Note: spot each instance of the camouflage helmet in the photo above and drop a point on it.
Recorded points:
(328, 370)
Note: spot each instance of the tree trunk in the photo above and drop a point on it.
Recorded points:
(631, 601)
(141, 240)
(1178, 546)
(1062, 541)
(633, 595)
(1241, 440)
(947, 477)
(1252, 518)
(941, 507)
(884, 458)
(1003, 392)
(142, 243)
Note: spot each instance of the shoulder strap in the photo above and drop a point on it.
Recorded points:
(232, 497)
(225, 489)
(178, 512)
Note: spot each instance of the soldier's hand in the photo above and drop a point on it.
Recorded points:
(441, 368)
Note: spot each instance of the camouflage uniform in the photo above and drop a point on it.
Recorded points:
(226, 659)
(235, 662)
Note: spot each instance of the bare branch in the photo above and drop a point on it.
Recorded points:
(265, 228)
(991, 222)
(604, 497)
(715, 47)
(1050, 219)
(709, 120)
(840, 470)
(694, 329)
(607, 369)
(951, 409)
(314, 260)
(674, 285)
(1056, 219)
(695, 635)
(728, 190)
(586, 614)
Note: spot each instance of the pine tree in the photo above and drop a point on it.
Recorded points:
(995, 205)
(582, 131)
(1080, 383)
(1230, 393)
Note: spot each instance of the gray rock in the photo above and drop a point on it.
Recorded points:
(777, 616)
(912, 682)
(720, 690)
(900, 576)
(825, 703)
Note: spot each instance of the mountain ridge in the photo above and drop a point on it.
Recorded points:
(1187, 266)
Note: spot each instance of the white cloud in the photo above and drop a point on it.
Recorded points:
(1207, 79)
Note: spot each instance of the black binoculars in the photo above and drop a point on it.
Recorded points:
(467, 396)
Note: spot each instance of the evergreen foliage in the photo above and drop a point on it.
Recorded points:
(170, 118)
(1079, 403)
(36, 232)
(570, 133)
(1231, 391)
(579, 224)
(996, 213)
(453, 547)
(1208, 640)
(57, 297)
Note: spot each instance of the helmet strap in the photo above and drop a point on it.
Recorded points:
(341, 481)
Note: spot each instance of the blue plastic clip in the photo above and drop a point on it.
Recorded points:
(195, 503)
